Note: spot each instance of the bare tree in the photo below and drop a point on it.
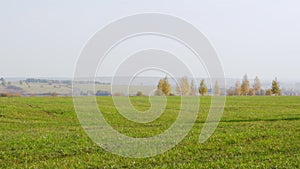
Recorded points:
(193, 88)
(257, 86)
(217, 90)
(184, 86)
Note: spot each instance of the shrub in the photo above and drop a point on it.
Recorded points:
(139, 93)
(269, 92)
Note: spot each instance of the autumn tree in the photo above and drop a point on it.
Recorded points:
(245, 86)
(203, 88)
(275, 87)
(237, 89)
(160, 85)
(257, 86)
(217, 90)
(183, 87)
(163, 87)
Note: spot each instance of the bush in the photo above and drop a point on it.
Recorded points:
(158, 93)
(9, 95)
(102, 93)
(269, 92)
(3, 95)
(139, 93)
(53, 94)
(118, 94)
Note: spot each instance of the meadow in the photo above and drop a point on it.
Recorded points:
(255, 132)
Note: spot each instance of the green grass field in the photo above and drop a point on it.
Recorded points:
(255, 132)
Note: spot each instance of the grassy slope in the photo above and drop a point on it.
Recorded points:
(261, 132)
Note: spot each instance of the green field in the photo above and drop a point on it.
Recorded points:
(255, 132)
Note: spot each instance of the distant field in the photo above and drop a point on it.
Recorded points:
(255, 132)
(66, 89)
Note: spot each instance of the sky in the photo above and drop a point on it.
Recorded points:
(45, 38)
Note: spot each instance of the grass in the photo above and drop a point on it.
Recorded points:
(255, 132)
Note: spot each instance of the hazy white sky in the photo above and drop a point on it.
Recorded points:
(44, 38)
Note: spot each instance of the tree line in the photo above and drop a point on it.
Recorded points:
(243, 88)
(185, 88)
(246, 89)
